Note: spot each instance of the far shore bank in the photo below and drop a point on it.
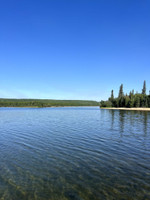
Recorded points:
(43, 107)
(138, 109)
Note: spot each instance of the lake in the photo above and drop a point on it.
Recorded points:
(74, 153)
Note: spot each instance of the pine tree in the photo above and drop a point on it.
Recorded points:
(111, 99)
(112, 94)
(130, 94)
(121, 91)
(144, 88)
(137, 101)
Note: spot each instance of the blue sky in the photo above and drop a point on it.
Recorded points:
(73, 49)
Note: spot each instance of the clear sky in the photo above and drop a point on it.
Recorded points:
(73, 49)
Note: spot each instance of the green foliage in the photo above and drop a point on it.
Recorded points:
(144, 88)
(112, 94)
(129, 101)
(121, 91)
(44, 103)
(106, 104)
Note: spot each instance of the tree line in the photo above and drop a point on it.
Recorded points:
(128, 100)
(44, 103)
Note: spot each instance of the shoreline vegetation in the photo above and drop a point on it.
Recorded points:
(41, 103)
(136, 101)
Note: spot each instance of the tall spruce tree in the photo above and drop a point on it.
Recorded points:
(121, 91)
(111, 99)
(112, 94)
(144, 88)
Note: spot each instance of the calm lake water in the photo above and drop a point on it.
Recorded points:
(74, 154)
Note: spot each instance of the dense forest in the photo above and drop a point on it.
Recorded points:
(44, 103)
(128, 100)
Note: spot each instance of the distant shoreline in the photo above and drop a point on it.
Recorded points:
(45, 103)
(136, 109)
(42, 107)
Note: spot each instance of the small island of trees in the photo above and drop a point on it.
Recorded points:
(131, 100)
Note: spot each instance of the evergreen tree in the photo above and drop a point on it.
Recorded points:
(121, 91)
(137, 101)
(130, 103)
(144, 88)
(130, 95)
(148, 101)
(126, 100)
(112, 94)
(111, 99)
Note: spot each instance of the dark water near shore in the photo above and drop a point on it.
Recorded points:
(74, 154)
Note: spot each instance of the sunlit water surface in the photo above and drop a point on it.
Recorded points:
(74, 154)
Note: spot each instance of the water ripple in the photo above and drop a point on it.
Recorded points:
(74, 153)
